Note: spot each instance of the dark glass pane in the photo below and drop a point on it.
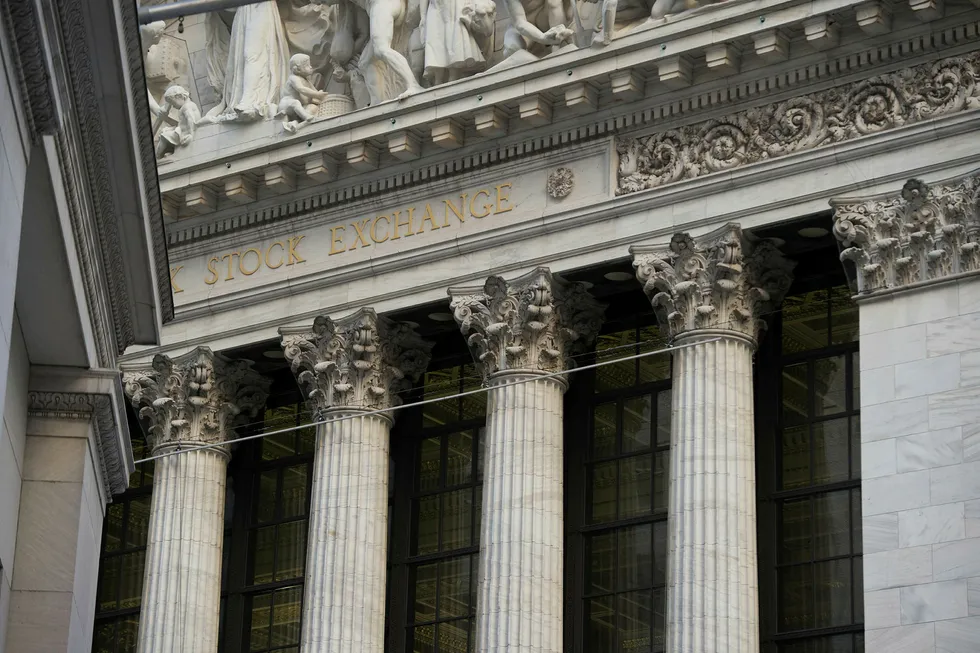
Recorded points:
(637, 414)
(286, 615)
(423, 639)
(663, 418)
(127, 633)
(832, 581)
(429, 464)
(457, 516)
(859, 643)
(459, 463)
(264, 555)
(604, 430)
(795, 395)
(659, 552)
(601, 635)
(661, 480)
(830, 386)
(843, 316)
(635, 486)
(481, 451)
(307, 440)
(105, 637)
(281, 444)
(602, 563)
(858, 580)
(635, 621)
(425, 592)
(265, 502)
(796, 457)
(291, 558)
(454, 636)
(832, 527)
(478, 509)
(657, 366)
(856, 528)
(805, 322)
(474, 576)
(258, 635)
(615, 375)
(138, 523)
(856, 447)
(795, 597)
(131, 579)
(660, 620)
(796, 537)
(108, 584)
(635, 557)
(831, 448)
(428, 525)
(475, 405)
(294, 481)
(454, 587)
(113, 527)
(441, 383)
(603, 491)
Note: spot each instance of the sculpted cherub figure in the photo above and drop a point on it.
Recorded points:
(188, 116)
(297, 105)
(536, 23)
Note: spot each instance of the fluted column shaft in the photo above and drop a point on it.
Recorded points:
(519, 606)
(344, 608)
(712, 579)
(182, 584)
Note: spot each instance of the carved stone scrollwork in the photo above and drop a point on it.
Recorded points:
(924, 233)
(561, 182)
(533, 323)
(798, 124)
(191, 399)
(718, 281)
(362, 361)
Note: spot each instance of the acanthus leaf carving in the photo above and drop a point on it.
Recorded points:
(363, 361)
(534, 323)
(798, 124)
(719, 281)
(194, 398)
(923, 233)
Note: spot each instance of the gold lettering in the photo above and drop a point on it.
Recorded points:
(486, 207)
(282, 257)
(231, 259)
(503, 197)
(427, 217)
(293, 244)
(214, 272)
(173, 279)
(335, 240)
(258, 261)
(399, 223)
(359, 228)
(452, 207)
(374, 224)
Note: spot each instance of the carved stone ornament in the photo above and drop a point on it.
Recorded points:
(362, 361)
(533, 323)
(798, 124)
(561, 182)
(192, 399)
(718, 281)
(925, 232)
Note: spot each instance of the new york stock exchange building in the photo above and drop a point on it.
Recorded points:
(544, 327)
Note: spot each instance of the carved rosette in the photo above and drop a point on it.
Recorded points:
(921, 234)
(717, 282)
(362, 361)
(192, 399)
(560, 183)
(534, 323)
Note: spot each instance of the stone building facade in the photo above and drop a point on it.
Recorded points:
(563, 326)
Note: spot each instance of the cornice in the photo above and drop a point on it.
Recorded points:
(26, 36)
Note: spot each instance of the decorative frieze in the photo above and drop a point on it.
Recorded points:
(533, 323)
(798, 124)
(719, 281)
(362, 361)
(191, 399)
(924, 233)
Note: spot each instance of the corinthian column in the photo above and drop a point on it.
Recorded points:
(518, 332)
(713, 294)
(348, 368)
(188, 401)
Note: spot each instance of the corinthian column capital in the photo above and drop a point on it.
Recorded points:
(922, 233)
(533, 323)
(191, 398)
(361, 361)
(716, 282)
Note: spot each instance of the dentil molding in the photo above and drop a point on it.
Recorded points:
(362, 361)
(924, 233)
(718, 281)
